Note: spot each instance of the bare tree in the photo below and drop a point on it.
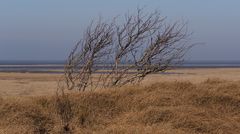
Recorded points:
(125, 52)
(88, 52)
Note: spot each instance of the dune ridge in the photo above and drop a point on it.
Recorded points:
(212, 106)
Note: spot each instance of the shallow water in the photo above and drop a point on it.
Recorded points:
(58, 66)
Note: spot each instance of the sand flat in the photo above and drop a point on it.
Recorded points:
(38, 84)
(27, 84)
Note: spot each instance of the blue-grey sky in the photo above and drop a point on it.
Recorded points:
(48, 29)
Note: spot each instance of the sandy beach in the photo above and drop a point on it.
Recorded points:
(41, 84)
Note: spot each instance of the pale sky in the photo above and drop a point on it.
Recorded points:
(48, 29)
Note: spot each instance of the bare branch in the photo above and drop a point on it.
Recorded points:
(125, 53)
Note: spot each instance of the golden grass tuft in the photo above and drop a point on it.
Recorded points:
(212, 106)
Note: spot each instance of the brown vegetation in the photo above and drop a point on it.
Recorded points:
(212, 106)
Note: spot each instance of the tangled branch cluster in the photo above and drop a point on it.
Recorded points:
(115, 54)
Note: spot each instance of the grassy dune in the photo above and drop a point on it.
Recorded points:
(212, 106)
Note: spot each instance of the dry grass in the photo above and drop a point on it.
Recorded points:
(212, 106)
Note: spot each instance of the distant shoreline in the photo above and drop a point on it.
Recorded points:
(59, 69)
